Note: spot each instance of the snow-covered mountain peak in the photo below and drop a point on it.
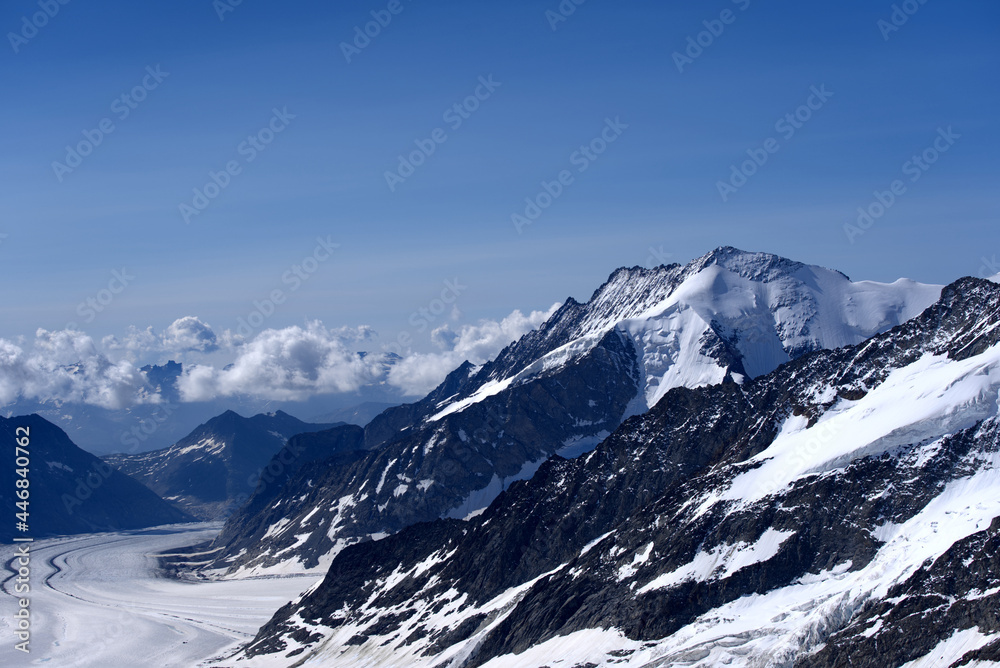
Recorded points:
(730, 312)
(752, 265)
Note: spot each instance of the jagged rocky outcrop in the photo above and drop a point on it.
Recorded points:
(69, 490)
(560, 389)
(838, 511)
(213, 470)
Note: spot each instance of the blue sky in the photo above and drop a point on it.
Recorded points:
(323, 176)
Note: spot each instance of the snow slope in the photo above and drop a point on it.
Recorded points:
(769, 321)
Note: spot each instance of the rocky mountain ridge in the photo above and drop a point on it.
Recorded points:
(837, 511)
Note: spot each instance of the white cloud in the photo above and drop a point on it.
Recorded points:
(189, 334)
(293, 364)
(67, 367)
(420, 373)
(136, 341)
(347, 335)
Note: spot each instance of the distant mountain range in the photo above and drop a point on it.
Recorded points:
(213, 470)
(360, 415)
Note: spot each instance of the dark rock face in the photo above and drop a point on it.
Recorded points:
(437, 467)
(640, 536)
(293, 467)
(216, 466)
(72, 491)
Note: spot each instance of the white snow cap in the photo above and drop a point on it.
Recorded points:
(770, 309)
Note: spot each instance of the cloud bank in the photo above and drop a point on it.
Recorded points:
(289, 364)
(67, 367)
